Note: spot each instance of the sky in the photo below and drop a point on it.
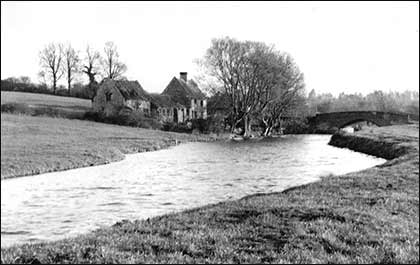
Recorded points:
(339, 46)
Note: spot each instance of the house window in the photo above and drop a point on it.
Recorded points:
(195, 101)
(108, 96)
(201, 103)
(188, 112)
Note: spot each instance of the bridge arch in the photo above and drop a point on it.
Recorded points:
(330, 122)
(352, 121)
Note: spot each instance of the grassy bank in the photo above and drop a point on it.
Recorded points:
(33, 145)
(44, 100)
(371, 216)
(45, 105)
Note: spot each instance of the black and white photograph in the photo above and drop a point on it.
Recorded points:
(218, 132)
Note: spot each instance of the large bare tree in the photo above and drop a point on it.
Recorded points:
(51, 61)
(248, 72)
(286, 93)
(258, 80)
(71, 64)
(112, 66)
(91, 68)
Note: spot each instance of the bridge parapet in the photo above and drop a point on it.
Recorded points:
(331, 122)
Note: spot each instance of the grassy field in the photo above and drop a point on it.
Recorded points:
(371, 216)
(44, 100)
(44, 105)
(32, 145)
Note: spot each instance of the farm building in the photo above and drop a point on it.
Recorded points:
(188, 102)
(163, 107)
(115, 96)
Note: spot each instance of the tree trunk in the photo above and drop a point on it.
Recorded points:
(268, 127)
(54, 83)
(247, 129)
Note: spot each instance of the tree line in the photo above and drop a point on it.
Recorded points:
(406, 102)
(58, 60)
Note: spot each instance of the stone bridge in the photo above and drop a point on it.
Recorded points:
(331, 122)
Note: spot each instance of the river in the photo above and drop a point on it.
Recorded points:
(62, 204)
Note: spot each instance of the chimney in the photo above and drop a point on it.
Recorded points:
(183, 76)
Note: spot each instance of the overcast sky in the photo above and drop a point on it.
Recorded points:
(340, 47)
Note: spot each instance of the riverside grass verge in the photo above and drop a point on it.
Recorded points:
(33, 145)
(371, 216)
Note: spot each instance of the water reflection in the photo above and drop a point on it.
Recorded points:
(61, 204)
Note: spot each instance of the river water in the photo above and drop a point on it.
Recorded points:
(62, 204)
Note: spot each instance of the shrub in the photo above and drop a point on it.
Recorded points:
(176, 127)
(16, 84)
(133, 119)
(16, 108)
(296, 126)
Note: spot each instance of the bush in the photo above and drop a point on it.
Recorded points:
(176, 127)
(296, 126)
(133, 119)
(202, 125)
(23, 108)
(16, 108)
(15, 84)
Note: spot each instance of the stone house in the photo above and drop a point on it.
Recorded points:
(183, 99)
(115, 96)
(164, 108)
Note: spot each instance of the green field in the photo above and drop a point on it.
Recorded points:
(44, 105)
(32, 145)
(371, 216)
(44, 100)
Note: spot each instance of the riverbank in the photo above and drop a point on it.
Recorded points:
(33, 145)
(371, 216)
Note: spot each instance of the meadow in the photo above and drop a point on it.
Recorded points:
(44, 105)
(371, 216)
(44, 100)
(36, 144)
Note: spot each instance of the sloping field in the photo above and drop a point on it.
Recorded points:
(44, 105)
(32, 145)
(44, 100)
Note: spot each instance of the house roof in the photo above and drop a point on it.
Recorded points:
(182, 92)
(165, 101)
(128, 89)
(191, 88)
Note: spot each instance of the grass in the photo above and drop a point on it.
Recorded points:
(44, 100)
(32, 145)
(371, 216)
(44, 105)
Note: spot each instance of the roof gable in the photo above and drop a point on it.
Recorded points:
(128, 89)
(165, 101)
(182, 92)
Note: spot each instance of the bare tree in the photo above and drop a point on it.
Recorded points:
(51, 60)
(71, 64)
(285, 94)
(91, 64)
(91, 69)
(112, 66)
(247, 72)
